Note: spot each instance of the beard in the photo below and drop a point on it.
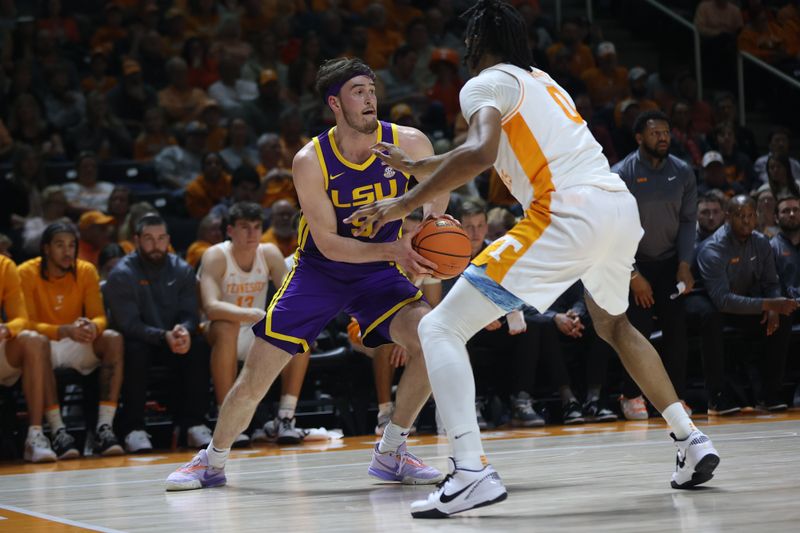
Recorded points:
(365, 124)
(656, 152)
(790, 227)
(155, 258)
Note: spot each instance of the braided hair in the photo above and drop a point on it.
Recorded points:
(494, 26)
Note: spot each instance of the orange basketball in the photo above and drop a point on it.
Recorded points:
(444, 242)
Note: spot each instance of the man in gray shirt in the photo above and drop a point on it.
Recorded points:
(786, 245)
(666, 192)
(738, 270)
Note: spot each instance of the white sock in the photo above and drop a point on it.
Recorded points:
(680, 423)
(105, 414)
(53, 417)
(444, 333)
(217, 457)
(33, 431)
(393, 437)
(385, 409)
(287, 406)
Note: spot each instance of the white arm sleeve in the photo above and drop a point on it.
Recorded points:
(492, 88)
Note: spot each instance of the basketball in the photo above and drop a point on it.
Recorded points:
(444, 242)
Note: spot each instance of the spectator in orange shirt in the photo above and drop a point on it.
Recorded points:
(276, 179)
(444, 63)
(283, 230)
(154, 136)
(578, 55)
(24, 353)
(62, 295)
(96, 228)
(179, 100)
(607, 83)
(211, 116)
(382, 41)
(63, 29)
(209, 233)
(767, 40)
(292, 137)
(98, 79)
(637, 82)
(112, 31)
(209, 188)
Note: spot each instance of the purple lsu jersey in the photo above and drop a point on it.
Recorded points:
(317, 288)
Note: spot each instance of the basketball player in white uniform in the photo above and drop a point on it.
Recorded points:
(580, 223)
(234, 279)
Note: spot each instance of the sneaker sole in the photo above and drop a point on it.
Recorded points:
(40, 459)
(519, 424)
(703, 471)
(607, 418)
(575, 421)
(288, 440)
(436, 513)
(724, 412)
(112, 450)
(195, 484)
(71, 454)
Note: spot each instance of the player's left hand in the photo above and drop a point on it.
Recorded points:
(412, 263)
(375, 216)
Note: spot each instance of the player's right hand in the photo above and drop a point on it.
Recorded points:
(412, 263)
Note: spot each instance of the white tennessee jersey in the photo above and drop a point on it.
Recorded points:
(245, 289)
(545, 145)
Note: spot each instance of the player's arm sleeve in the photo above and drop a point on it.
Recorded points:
(14, 301)
(688, 218)
(712, 270)
(479, 92)
(120, 291)
(92, 297)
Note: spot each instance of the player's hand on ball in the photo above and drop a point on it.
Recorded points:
(376, 215)
(412, 263)
(394, 156)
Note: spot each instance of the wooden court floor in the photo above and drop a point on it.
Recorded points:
(603, 477)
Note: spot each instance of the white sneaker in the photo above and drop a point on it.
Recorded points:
(634, 408)
(259, 435)
(283, 431)
(198, 436)
(696, 460)
(460, 491)
(38, 450)
(138, 441)
(242, 441)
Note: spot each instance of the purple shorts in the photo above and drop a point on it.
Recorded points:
(316, 290)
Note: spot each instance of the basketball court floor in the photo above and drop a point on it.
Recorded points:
(604, 477)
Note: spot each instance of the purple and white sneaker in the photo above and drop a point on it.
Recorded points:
(196, 474)
(403, 466)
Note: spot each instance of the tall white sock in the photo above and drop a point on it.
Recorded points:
(53, 416)
(216, 456)
(443, 334)
(680, 423)
(287, 406)
(105, 413)
(393, 437)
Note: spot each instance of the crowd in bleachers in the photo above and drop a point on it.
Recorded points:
(116, 113)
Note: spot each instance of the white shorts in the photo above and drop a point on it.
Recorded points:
(67, 353)
(588, 234)
(244, 342)
(8, 374)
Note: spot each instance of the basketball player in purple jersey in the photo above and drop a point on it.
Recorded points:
(336, 271)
